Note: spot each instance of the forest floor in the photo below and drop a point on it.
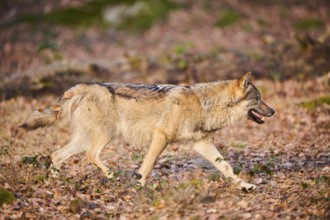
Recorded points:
(288, 157)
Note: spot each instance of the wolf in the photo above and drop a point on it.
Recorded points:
(154, 115)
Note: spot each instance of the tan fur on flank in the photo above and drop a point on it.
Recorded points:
(154, 115)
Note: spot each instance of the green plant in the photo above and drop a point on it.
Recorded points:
(314, 103)
(91, 14)
(214, 177)
(308, 23)
(227, 17)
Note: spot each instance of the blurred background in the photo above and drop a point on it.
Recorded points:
(46, 46)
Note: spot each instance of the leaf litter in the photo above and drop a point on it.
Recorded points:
(288, 157)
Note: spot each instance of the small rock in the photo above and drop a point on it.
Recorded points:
(258, 216)
(301, 155)
(268, 214)
(243, 204)
(7, 186)
(211, 211)
(92, 205)
(269, 39)
(208, 199)
(326, 169)
(246, 215)
(213, 216)
(259, 181)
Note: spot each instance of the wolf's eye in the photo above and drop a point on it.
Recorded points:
(257, 98)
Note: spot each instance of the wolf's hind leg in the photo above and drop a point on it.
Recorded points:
(93, 152)
(207, 149)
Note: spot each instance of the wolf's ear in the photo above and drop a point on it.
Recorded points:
(243, 82)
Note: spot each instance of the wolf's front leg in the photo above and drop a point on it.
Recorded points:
(75, 146)
(207, 149)
(157, 146)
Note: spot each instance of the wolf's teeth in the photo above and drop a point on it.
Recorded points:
(257, 115)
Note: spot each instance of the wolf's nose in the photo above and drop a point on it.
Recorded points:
(272, 111)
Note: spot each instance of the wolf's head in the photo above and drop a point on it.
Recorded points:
(248, 98)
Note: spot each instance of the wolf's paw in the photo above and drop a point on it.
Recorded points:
(109, 174)
(54, 172)
(133, 175)
(247, 187)
(136, 175)
(141, 182)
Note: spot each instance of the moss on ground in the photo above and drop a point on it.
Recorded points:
(6, 197)
(308, 23)
(312, 104)
(91, 14)
(227, 17)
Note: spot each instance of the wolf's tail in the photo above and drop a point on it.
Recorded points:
(54, 113)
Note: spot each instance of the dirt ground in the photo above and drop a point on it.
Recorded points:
(284, 44)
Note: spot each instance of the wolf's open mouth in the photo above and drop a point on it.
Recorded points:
(256, 116)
